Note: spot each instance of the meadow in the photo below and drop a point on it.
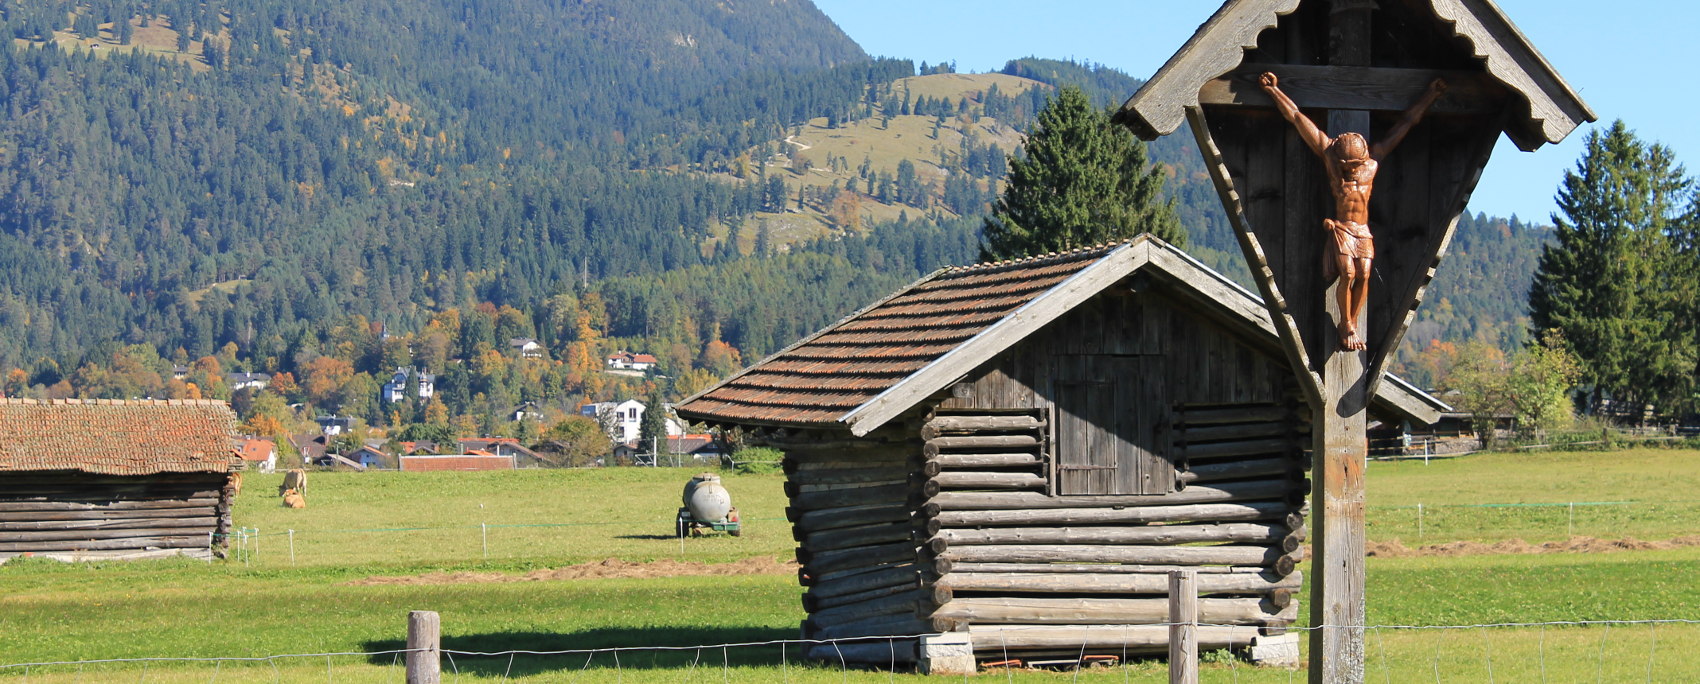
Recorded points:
(394, 525)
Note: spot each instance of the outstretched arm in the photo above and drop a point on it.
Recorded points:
(1385, 146)
(1313, 136)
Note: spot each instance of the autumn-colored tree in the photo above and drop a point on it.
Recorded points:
(845, 210)
(579, 440)
(323, 378)
(284, 385)
(436, 412)
(719, 358)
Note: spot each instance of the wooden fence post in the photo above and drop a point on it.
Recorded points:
(1183, 627)
(424, 647)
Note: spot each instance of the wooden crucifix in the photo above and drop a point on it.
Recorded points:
(1440, 79)
(1351, 163)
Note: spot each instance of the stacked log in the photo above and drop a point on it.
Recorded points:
(852, 505)
(97, 516)
(1025, 571)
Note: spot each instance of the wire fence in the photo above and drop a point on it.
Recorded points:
(1651, 650)
(1411, 523)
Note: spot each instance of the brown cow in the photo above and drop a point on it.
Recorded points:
(293, 499)
(295, 479)
(235, 485)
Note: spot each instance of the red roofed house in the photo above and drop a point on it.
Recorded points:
(485, 461)
(154, 475)
(258, 454)
(629, 361)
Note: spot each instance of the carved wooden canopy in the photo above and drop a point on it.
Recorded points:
(1274, 188)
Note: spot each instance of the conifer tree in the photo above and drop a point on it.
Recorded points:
(1080, 181)
(1609, 282)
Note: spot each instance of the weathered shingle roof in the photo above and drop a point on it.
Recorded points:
(820, 379)
(871, 366)
(111, 437)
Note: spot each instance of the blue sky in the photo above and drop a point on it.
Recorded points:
(1628, 63)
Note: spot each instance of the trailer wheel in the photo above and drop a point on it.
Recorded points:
(681, 526)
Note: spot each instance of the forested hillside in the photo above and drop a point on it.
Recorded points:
(327, 191)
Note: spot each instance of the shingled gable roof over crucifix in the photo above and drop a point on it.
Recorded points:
(1211, 69)
(877, 363)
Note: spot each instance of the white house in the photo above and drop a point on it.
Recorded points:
(396, 389)
(629, 361)
(526, 347)
(257, 381)
(257, 454)
(624, 420)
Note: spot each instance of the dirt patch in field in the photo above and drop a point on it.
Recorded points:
(613, 567)
(1397, 549)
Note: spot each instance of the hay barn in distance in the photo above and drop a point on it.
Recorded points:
(110, 479)
(1021, 450)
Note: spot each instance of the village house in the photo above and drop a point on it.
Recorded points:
(526, 347)
(396, 389)
(258, 454)
(334, 425)
(628, 361)
(624, 420)
(111, 479)
(1012, 454)
(240, 381)
(497, 446)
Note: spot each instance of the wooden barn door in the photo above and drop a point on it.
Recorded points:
(1108, 409)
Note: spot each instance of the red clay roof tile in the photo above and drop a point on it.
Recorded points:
(115, 437)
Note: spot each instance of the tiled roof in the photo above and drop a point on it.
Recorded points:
(255, 449)
(112, 437)
(457, 462)
(819, 380)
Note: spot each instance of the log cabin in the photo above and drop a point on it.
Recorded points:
(110, 479)
(1020, 451)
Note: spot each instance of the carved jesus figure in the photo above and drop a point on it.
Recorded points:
(1351, 165)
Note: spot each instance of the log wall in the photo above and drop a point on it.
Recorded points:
(1025, 566)
(852, 509)
(77, 515)
(1032, 573)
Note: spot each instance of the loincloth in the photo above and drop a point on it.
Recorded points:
(1351, 239)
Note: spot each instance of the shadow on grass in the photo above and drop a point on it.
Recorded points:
(649, 536)
(643, 648)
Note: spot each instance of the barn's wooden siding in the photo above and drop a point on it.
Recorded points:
(1024, 565)
(82, 515)
(852, 509)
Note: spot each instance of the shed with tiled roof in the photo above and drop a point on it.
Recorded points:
(1018, 450)
(115, 479)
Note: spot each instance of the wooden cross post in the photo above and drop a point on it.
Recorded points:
(1482, 79)
(1341, 437)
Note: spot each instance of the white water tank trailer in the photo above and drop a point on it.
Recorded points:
(707, 506)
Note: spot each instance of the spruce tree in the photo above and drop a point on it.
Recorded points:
(1079, 181)
(1610, 282)
(652, 429)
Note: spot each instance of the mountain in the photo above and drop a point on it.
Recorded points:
(196, 174)
(327, 191)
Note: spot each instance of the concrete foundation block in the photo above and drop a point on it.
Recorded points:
(1275, 651)
(950, 653)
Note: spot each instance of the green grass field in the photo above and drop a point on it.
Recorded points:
(267, 607)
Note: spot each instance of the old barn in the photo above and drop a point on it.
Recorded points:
(90, 479)
(1019, 451)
